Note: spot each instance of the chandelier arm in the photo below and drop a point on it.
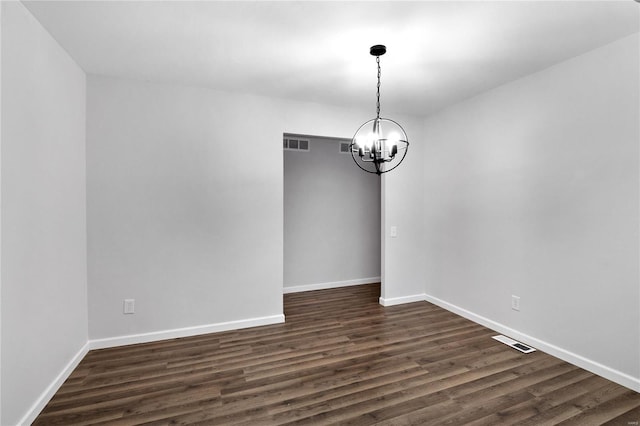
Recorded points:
(357, 164)
(402, 159)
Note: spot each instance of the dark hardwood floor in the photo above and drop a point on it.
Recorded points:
(339, 358)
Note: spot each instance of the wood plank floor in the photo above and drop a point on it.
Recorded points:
(340, 358)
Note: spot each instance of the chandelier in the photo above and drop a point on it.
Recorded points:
(380, 144)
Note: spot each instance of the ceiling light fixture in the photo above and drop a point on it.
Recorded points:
(380, 144)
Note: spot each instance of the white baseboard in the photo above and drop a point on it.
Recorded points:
(400, 300)
(46, 396)
(53, 387)
(132, 339)
(619, 377)
(334, 284)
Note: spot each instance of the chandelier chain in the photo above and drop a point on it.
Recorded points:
(378, 90)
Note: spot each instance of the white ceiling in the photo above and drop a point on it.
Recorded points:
(438, 52)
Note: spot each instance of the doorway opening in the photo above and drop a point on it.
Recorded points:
(332, 216)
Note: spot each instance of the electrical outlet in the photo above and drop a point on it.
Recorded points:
(515, 303)
(129, 306)
(394, 232)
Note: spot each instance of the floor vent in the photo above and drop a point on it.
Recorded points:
(514, 344)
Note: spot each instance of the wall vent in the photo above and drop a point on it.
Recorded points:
(514, 344)
(344, 147)
(296, 144)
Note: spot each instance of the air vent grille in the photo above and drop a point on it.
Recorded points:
(344, 147)
(514, 344)
(296, 144)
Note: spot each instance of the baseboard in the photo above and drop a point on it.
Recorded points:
(401, 300)
(609, 373)
(324, 286)
(132, 339)
(46, 396)
(48, 393)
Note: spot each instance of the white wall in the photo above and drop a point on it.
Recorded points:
(403, 266)
(532, 189)
(44, 293)
(331, 218)
(185, 204)
(184, 208)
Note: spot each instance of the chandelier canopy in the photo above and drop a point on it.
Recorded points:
(380, 144)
